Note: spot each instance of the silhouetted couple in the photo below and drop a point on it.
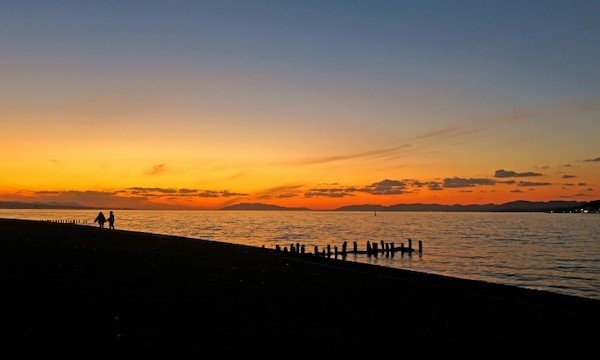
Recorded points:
(100, 219)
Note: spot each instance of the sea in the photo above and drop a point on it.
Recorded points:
(553, 252)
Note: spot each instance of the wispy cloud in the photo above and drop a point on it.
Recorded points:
(434, 186)
(532, 183)
(187, 191)
(509, 174)
(574, 195)
(330, 192)
(146, 190)
(280, 192)
(332, 158)
(385, 187)
(456, 182)
(156, 169)
(437, 133)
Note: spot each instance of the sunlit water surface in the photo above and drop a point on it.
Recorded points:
(555, 252)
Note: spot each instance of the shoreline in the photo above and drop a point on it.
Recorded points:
(550, 281)
(336, 261)
(171, 292)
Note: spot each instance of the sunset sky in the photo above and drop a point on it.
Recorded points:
(183, 104)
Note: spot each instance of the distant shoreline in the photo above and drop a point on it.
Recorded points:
(513, 206)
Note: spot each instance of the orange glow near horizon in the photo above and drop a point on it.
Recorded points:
(97, 166)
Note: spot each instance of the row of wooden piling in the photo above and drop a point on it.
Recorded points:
(371, 249)
(67, 221)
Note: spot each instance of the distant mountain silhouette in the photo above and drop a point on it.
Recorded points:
(513, 206)
(259, 206)
(365, 207)
(591, 206)
(40, 205)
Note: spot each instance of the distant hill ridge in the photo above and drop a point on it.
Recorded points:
(260, 206)
(513, 206)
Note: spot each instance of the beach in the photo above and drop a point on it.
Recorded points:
(70, 287)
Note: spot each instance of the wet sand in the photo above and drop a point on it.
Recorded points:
(70, 288)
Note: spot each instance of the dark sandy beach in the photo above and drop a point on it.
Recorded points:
(69, 287)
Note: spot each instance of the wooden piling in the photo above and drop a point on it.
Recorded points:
(316, 250)
(410, 249)
(420, 247)
(393, 248)
(355, 247)
(369, 248)
(302, 249)
(344, 245)
(335, 251)
(328, 250)
(375, 249)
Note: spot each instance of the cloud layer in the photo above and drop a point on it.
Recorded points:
(509, 174)
(457, 182)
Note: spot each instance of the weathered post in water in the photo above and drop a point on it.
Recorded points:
(393, 248)
(344, 245)
(382, 245)
(328, 250)
(316, 250)
(302, 249)
(369, 248)
(375, 249)
(355, 247)
(410, 249)
(420, 247)
(335, 251)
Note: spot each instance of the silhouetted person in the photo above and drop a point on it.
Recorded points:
(111, 221)
(100, 219)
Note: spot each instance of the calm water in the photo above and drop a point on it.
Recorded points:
(556, 252)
